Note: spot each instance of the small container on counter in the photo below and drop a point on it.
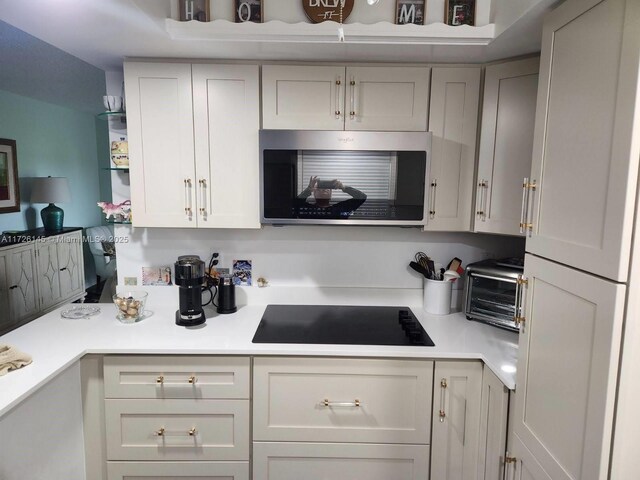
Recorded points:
(437, 296)
(130, 306)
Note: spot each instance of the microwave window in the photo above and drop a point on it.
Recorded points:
(492, 298)
(357, 185)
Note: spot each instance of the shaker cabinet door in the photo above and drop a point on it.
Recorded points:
(453, 120)
(161, 151)
(587, 137)
(506, 144)
(303, 97)
(456, 420)
(568, 353)
(387, 98)
(226, 123)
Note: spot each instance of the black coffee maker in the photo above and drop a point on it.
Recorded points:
(189, 275)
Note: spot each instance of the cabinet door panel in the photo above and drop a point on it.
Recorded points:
(567, 364)
(70, 264)
(303, 97)
(387, 98)
(525, 465)
(21, 277)
(160, 131)
(339, 461)
(178, 470)
(6, 319)
(587, 136)
(48, 273)
(227, 121)
(493, 427)
(453, 119)
(506, 144)
(456, 420)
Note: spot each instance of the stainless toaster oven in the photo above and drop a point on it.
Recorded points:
(493, 292)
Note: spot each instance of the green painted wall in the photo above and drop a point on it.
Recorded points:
(57, 141)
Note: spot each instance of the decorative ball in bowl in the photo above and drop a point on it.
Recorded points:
(130, 305)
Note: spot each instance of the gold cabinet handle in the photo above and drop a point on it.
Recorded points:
(443, 387)
(160, 380)
(192, 379)
(160, 432)
(192, 431)
(327, 403)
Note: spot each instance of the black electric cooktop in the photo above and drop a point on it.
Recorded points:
(342, 325)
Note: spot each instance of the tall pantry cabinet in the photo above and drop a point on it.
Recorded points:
(579, 220)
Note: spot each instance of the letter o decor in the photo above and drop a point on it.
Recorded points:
(320, 11)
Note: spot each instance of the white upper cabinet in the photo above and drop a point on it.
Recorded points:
(339, 98)
(453, 120)
(193, 142)
(303, 98)
(506, 144)
(227, 120)
(567, 367)
(587, 137)
(160, 131)
(387, 98)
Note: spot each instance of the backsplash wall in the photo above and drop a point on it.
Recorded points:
(309, 256)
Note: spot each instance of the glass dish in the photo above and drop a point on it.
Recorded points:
(130, 306)
(80, 311)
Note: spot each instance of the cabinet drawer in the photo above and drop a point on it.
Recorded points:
(178, 470)
(379, 401)
(144, 376)
(320, 461)
(221, 429)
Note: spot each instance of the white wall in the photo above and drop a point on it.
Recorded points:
(310, 256)
(42, 437)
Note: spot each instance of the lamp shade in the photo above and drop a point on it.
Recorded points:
(50, 190)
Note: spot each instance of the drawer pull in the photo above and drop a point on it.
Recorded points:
(191, 380)
(161, 432)
(327, 403)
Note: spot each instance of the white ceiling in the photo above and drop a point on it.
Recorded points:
(103, 32)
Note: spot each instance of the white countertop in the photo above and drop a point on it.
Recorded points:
(55, 343)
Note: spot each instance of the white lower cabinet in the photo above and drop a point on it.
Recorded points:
(456, 420)
(523, 465)
(493, 427)
(177, 417)
(339, 461)
(178, 470)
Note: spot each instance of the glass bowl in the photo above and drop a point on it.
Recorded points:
(130, 305)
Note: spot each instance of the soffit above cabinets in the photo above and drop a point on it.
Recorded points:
(104, 32)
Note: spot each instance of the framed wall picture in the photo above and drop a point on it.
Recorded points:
(460, 12)
(194, 10)
(248, 11)
(9, 187)
(410, 11)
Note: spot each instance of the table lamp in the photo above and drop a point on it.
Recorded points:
(50, 190)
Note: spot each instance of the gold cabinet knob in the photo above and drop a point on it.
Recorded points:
(193, 431)
(160, 380)
(192, 379)
(160, 432)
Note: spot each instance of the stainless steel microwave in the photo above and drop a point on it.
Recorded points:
(343, 177)
(493, 292)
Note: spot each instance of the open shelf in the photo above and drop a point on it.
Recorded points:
(117, 169)
(118, 222)
(327, 32)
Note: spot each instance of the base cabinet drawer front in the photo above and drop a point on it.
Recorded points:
(321, 461)
(177, 429)
(342, 400)
(178, 470)
(176, 377)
